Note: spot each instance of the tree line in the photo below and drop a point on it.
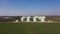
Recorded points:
(13, 18)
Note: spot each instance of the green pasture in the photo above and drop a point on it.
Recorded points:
(29, 28)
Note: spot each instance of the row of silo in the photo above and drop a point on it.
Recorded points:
(34, 18)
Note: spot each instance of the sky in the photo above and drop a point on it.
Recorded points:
(29, 7)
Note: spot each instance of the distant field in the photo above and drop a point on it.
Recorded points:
(29, 28)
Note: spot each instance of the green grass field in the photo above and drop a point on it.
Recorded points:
(29, 28)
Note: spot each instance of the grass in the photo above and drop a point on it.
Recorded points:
(29, 28)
